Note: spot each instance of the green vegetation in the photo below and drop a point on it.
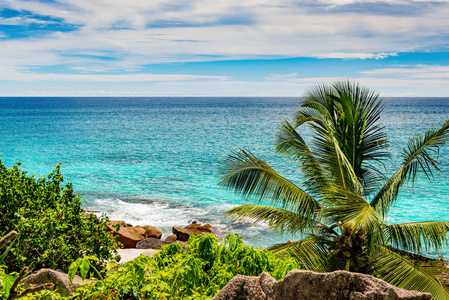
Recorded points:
(198, 273)
(53, 231)
(344, 198)
(339, 211)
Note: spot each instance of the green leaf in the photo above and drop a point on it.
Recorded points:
(8, 281)
(11, 245)
(73, 268)
(353, 210)
(250, 176)
(291, 144)
(312, 253)
(403, 273)
(84, 268)
(91, 257)
(348, 113)
(278, 220)
(416, 157)
(415, 236)
(110, 265)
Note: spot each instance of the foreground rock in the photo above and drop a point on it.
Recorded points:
(129, 235)
(59, 279)
(150, 243)
(183, 234)
(298, 285)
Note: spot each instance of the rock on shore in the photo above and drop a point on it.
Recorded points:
(130, 235)
(299, 285)
(183, 234)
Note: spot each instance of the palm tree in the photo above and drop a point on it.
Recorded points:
(341, 206)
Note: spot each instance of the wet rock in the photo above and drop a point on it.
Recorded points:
(183, 234)
(299, 284)
(129, 235)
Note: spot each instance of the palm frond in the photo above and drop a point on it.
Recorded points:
(310, 113)
(413, 256)
(353, 210)
(291, 144)
(278, 220)
(316, 107)
(333, 161)
(416, 157)
(347, 113)
(403, 273)
(347, 174)
(359, 132)
(312, 253)
(372, 180)
(415, 236)
(250, 176)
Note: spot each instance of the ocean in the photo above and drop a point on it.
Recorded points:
(155, 161)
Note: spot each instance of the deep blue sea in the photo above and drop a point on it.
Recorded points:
(155, 161)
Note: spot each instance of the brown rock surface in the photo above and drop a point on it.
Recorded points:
(119, 222)
(150, 243)
(171, 238)
(151, 232)
(298, 285)
(183, 234)
(59, 279)
(129, 235)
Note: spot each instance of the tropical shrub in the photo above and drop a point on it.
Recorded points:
(341, 206)
(6, 280)
(53, 231)
(198, 273)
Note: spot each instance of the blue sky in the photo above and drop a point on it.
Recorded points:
(221, 48)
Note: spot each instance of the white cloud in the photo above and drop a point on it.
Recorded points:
(358, 55)
(412, 72)
(126, 36)
(23, 21)
(226, 29)
(281, 76)
(20, 75)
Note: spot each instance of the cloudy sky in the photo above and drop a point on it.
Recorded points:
(221, 48)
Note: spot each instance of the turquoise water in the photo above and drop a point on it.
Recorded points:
(155, 161)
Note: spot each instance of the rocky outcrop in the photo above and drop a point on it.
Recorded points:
(151, 231)
(171, 239)
(129, 235)
(150, 243)
(60, 281)
(113, 224)
(183, 234)
(299, 284)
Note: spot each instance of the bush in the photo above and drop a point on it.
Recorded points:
(53, 232)
(199, 273)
